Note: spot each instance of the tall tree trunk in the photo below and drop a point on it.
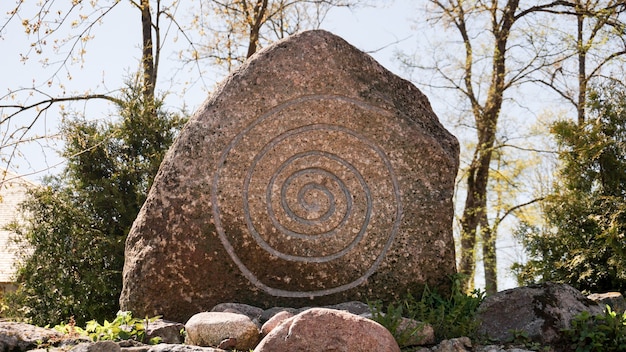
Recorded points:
(147, 56)
(476, 200)
(255, 26)
(582, 63)
(490, 262)
(486, 120)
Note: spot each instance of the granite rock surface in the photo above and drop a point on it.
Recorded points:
(312, 176)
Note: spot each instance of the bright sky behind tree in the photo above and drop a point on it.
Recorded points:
(382, 30)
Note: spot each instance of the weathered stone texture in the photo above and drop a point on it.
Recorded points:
(274, 321)
(321, 329)
(22, 337)
(541, 312)
(168, 331)
(312, 176)
(210, 329)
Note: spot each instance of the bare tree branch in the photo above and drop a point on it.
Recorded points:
(47, 103)
(518, 207)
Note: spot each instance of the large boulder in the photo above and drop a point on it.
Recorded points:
(312, 176)
(322, 329)
(540, 312)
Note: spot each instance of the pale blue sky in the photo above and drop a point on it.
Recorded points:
(114, 53)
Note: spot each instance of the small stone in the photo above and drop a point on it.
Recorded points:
(354, 307)
(211, 328)
(130, 343)
(254, 313)
(322, 329)
(142, 348)
(491, 348)
(182, 348)
(228, 344)
(168, 331)
(615, 300)
(100, 346)
(496, 348)
(461, 344)
(274, 321)
(415, 333)
(269, 313)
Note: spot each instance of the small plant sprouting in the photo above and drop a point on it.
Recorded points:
(123, 327)
(521, 337)
(598, 333)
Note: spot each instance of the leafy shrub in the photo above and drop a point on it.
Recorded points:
(74, 228)
(599, 333)
(582, 240)
(3, 307)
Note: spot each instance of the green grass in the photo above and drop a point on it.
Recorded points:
(450, 316)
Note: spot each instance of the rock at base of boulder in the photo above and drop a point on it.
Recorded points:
(415, 333)
(167, 331)
(275, 321)
(210, 329)
(541, 312)
(21, 336)
(182, 348)
(321, 329)
(254, 313)
(100, 346)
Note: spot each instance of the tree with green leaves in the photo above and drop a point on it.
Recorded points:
(502, 46)
(59, 35)
(76, 225)
(582, 243)
(488, 64)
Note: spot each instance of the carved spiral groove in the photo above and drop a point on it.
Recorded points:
(308, 191)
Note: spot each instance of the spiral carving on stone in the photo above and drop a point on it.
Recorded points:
(304, 192)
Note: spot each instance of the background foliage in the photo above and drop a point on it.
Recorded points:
(78, 221)
(582, 243)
